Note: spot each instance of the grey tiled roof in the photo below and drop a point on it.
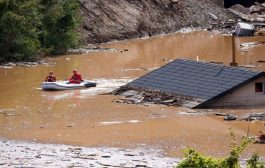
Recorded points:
(196, 79)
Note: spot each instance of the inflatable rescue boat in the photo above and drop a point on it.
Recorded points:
(65, 85)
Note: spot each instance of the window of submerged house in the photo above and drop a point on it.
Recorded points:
(258, 87)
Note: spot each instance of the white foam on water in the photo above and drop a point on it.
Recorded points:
(58, 96)
(104, 86)
(133, 69)
(134, 121)
(6, 67)
(7, 110)
(63, 96)
(190, 113)
(110, 122)
(119, 122)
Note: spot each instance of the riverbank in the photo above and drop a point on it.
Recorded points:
(31, 154)
(48, 60)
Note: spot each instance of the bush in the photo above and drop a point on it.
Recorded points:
(193, 159)
(254, 162)
(197, 160)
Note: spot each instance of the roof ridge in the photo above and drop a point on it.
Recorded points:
(218, 65)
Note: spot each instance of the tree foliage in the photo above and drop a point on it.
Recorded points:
(254, 162)
(60, 21)
(194, 159)
(30, 27)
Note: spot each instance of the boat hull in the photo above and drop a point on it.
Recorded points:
(65, 85)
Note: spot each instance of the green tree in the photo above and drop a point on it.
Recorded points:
(19, 34)
(254, 162)
(61, 19)
(31, 27)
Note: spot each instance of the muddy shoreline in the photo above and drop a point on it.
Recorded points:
(48, 62)
(31, 154)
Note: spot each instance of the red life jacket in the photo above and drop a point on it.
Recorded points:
(76, 78)
(50, 78)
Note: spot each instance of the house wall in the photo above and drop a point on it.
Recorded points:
(243, 96)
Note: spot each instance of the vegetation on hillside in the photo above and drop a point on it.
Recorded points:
(194, 159)
(30, 28)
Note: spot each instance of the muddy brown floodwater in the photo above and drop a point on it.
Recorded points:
(88, 117)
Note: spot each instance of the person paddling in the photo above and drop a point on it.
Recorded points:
(76, 78)
(50, 77)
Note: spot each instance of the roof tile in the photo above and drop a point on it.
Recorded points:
(196, 79)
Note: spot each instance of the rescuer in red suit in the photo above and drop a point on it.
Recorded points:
(76, 78)
(50, 78)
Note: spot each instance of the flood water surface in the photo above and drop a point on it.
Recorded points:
(90, 117)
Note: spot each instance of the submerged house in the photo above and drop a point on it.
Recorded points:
(206, 85)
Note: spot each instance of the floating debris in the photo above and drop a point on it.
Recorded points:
(144, 97)
(220, 114)
(246, 46)
(27, 64)
(244, 29)
(125, 50)
(89, 49)
(230, 117)
(254, 116)
(250, 117)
